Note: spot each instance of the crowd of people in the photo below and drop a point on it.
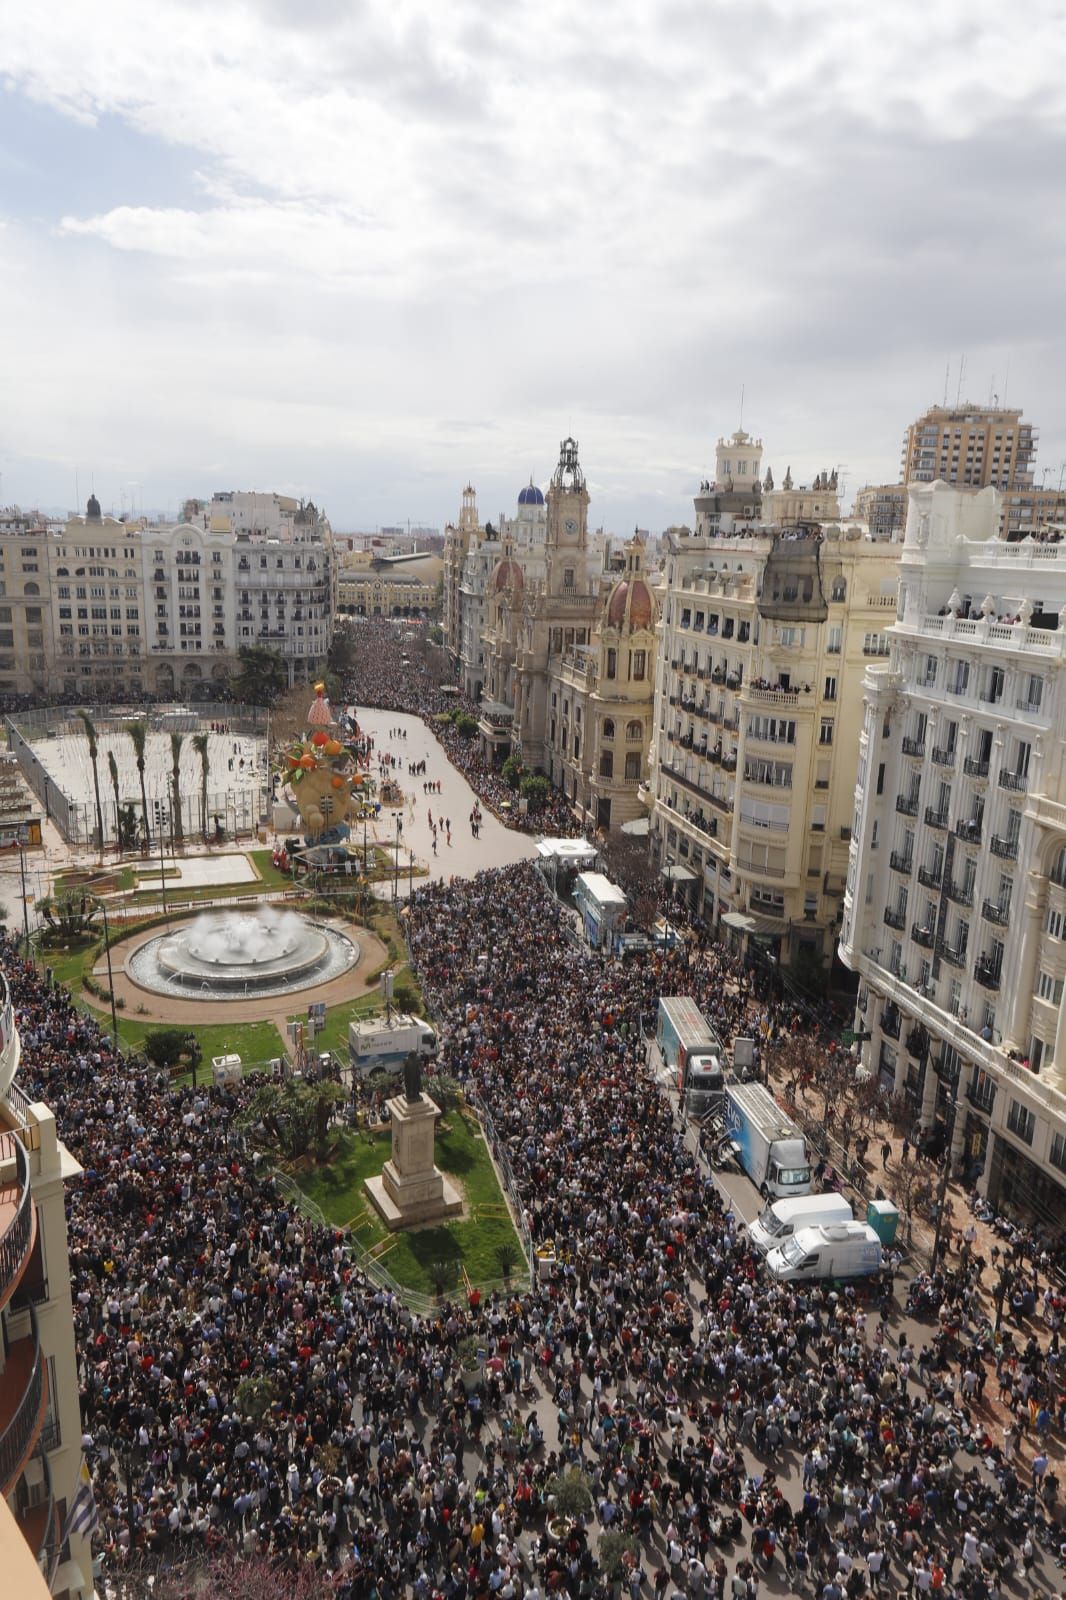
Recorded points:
(245, 1387)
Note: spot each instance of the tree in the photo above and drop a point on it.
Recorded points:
(94, 756)
(296, 1116)
(342, 652)
(465, 726)
(326, 1095)
(176, 742)
(913, 1192)
(112, 767)
(571, 1492)
(534, 791)
(261, 676)
(127, 828)
(165, 1047)
(70, 915)
(511, 772)
(138, 732)
(242, 1577)
(200, 744)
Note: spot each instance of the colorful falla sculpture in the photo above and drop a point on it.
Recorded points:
(321, 777)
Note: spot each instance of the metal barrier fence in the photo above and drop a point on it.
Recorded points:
(503, 1162)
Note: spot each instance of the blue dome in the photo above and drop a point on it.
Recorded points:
(530, 496)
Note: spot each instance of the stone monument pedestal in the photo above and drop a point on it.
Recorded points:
(409, 1188)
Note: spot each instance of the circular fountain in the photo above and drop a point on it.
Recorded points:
(225, 955)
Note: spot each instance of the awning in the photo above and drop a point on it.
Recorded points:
(639, 828)
(758, 927)
(676, 874)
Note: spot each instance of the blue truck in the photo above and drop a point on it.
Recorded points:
(769, 1147)
(692, 1052)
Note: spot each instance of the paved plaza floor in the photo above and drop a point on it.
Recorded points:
(496, 845)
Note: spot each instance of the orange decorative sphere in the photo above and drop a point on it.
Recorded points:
(319, 739)
(308, 762)
(337, 783)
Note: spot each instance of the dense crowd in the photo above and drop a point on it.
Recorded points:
(259, 1394)
(378, 676)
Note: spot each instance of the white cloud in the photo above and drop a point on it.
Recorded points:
(608, 216)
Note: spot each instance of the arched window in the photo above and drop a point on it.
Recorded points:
(31, 588)
(1058, 870)
(608, 728)
(839, 590)
(634, 730)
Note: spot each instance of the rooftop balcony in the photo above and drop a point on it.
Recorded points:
(23, 1398)
(18, 1217)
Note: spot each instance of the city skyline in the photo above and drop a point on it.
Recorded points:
(365, 260)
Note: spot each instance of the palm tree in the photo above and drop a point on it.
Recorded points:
(94, 756)
(112, 767)
(138, 732)
(200, 745)
(176, 742)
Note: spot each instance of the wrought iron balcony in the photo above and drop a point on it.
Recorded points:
(949, 953)
(895, 919)
(1006, 848)
(956, 892)
(969, 832)
(944, 756)
(914, 747)
(18, 1226)
(974, 768)
(922, 936)
(935, 818)
(930, 877)
(900, 863)
(987, 973)
(1016, 781)
(993, 912)
(23, 1393)
(907, 805)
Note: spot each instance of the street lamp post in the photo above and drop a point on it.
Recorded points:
(25, 902)
(162, 865)
(396, 879)
(411, 889)
(110, 975)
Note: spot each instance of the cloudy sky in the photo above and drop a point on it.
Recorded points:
(367, 249)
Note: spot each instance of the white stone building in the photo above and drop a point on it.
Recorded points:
(955, 908)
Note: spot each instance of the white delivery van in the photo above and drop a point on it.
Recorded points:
(841, 1250)
(783, 1218)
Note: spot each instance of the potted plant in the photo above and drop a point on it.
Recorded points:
(569, 1499)
(467, 1352)
(618, 1553)
(330, 1484)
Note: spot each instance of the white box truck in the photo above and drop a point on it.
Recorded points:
(783, 1218)
(841, 1250)
(381, 1044)
(688, 1046)
(770, 1148)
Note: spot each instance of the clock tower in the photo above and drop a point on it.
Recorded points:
(566, 541)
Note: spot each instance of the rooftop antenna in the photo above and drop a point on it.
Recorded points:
(1006, 383)
(1062, 473)
(991, 391)
(958, 389)
(947, 380)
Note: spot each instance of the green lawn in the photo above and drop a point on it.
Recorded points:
(263, 862)
(474, 1241)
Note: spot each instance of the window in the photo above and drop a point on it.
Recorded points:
(638, 664)
(834, 641)
(839, 591)
(606, 764)
(929, 674)
(608, 728)
(825, 732)
(633, 766)
(1021, 1121)
(634, 730)
(875, 644)
(830, 692)
(1049, 987)
(1054, 924)
(1057, 1155)
(612, 663)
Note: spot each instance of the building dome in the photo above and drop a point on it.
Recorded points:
(630, 605)
(507, 575)
(530, 495)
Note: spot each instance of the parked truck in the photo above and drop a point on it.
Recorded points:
(688, 1046)
(381, 1044)
(769, 1147)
